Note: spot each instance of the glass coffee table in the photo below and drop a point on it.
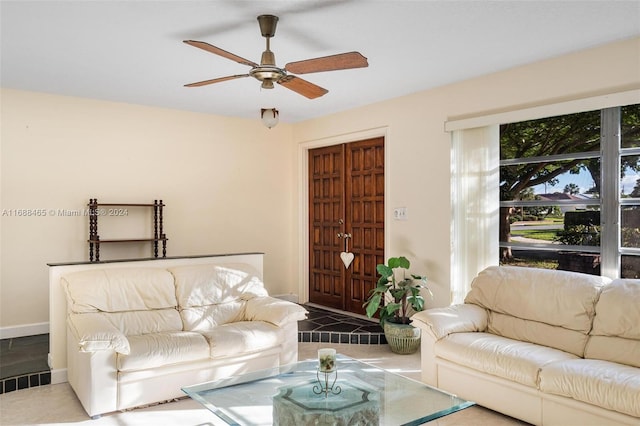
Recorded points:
(298, 394)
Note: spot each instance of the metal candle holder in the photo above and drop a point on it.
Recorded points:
(325, 384)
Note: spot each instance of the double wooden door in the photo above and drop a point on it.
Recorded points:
(346, 215)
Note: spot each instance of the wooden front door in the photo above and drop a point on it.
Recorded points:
(346, 214)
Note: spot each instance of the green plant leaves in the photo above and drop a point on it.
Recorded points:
(404, 293)
(384, 270)
(399, 262)
(372, 305)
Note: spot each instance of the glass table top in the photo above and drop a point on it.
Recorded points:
(297, 394)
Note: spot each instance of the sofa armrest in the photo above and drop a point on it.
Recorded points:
(94, 333)
(440, 322)
(275, 311)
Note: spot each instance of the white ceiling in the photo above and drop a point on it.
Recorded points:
(132, 51)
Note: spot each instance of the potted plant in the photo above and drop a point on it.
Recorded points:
(396, 294)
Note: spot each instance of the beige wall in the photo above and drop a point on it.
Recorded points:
(226, 182)
(420, 150)
(232, 185)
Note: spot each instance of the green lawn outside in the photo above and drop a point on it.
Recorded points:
(545, 235)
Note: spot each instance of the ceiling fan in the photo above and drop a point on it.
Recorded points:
(269, 73)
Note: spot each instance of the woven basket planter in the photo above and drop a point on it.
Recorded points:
(402, 338)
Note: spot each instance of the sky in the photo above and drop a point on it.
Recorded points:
(584, 181)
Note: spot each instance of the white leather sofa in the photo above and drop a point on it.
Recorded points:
(137, 335)
(547, 347)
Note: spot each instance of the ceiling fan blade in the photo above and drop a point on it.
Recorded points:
(215, 80)
(341, 61)
(217, 51)
(302, 87)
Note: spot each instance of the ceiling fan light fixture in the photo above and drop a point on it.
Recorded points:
(268, 73)
(269, 117)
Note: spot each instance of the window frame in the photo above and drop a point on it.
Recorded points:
(471, 134)
(609, 201)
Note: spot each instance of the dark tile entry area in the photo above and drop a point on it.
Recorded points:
(331, 327)
(23, 362)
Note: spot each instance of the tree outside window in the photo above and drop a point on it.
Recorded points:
(551, 187)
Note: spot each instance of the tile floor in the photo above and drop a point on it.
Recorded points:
(323, 326)
(23, 362)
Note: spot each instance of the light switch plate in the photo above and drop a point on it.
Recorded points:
(400, 213)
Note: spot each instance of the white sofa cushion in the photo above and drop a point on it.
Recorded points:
(242, 337)
(616, 334)
(561, 298)
(605, 384)
(499, 356)
(201, 285)
(536, 332)
(143, 322)
(614, 349)
(119, 290)
(203, 318)
(103, 330)
(618, 310)
(275, 311)
(541, 296)
(440, 322)
(94, 332)
(160, 349)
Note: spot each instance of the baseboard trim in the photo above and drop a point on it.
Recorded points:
(24, 330)
(288, 297)
(59, 376)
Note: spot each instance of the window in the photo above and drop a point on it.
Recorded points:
(570, 192)
(629, 199)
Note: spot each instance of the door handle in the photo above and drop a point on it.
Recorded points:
(343, 234)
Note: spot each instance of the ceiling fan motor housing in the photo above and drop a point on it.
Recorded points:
(267, 75)
(268, 58)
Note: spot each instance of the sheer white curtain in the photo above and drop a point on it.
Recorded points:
(476, 178)
(475, 203)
